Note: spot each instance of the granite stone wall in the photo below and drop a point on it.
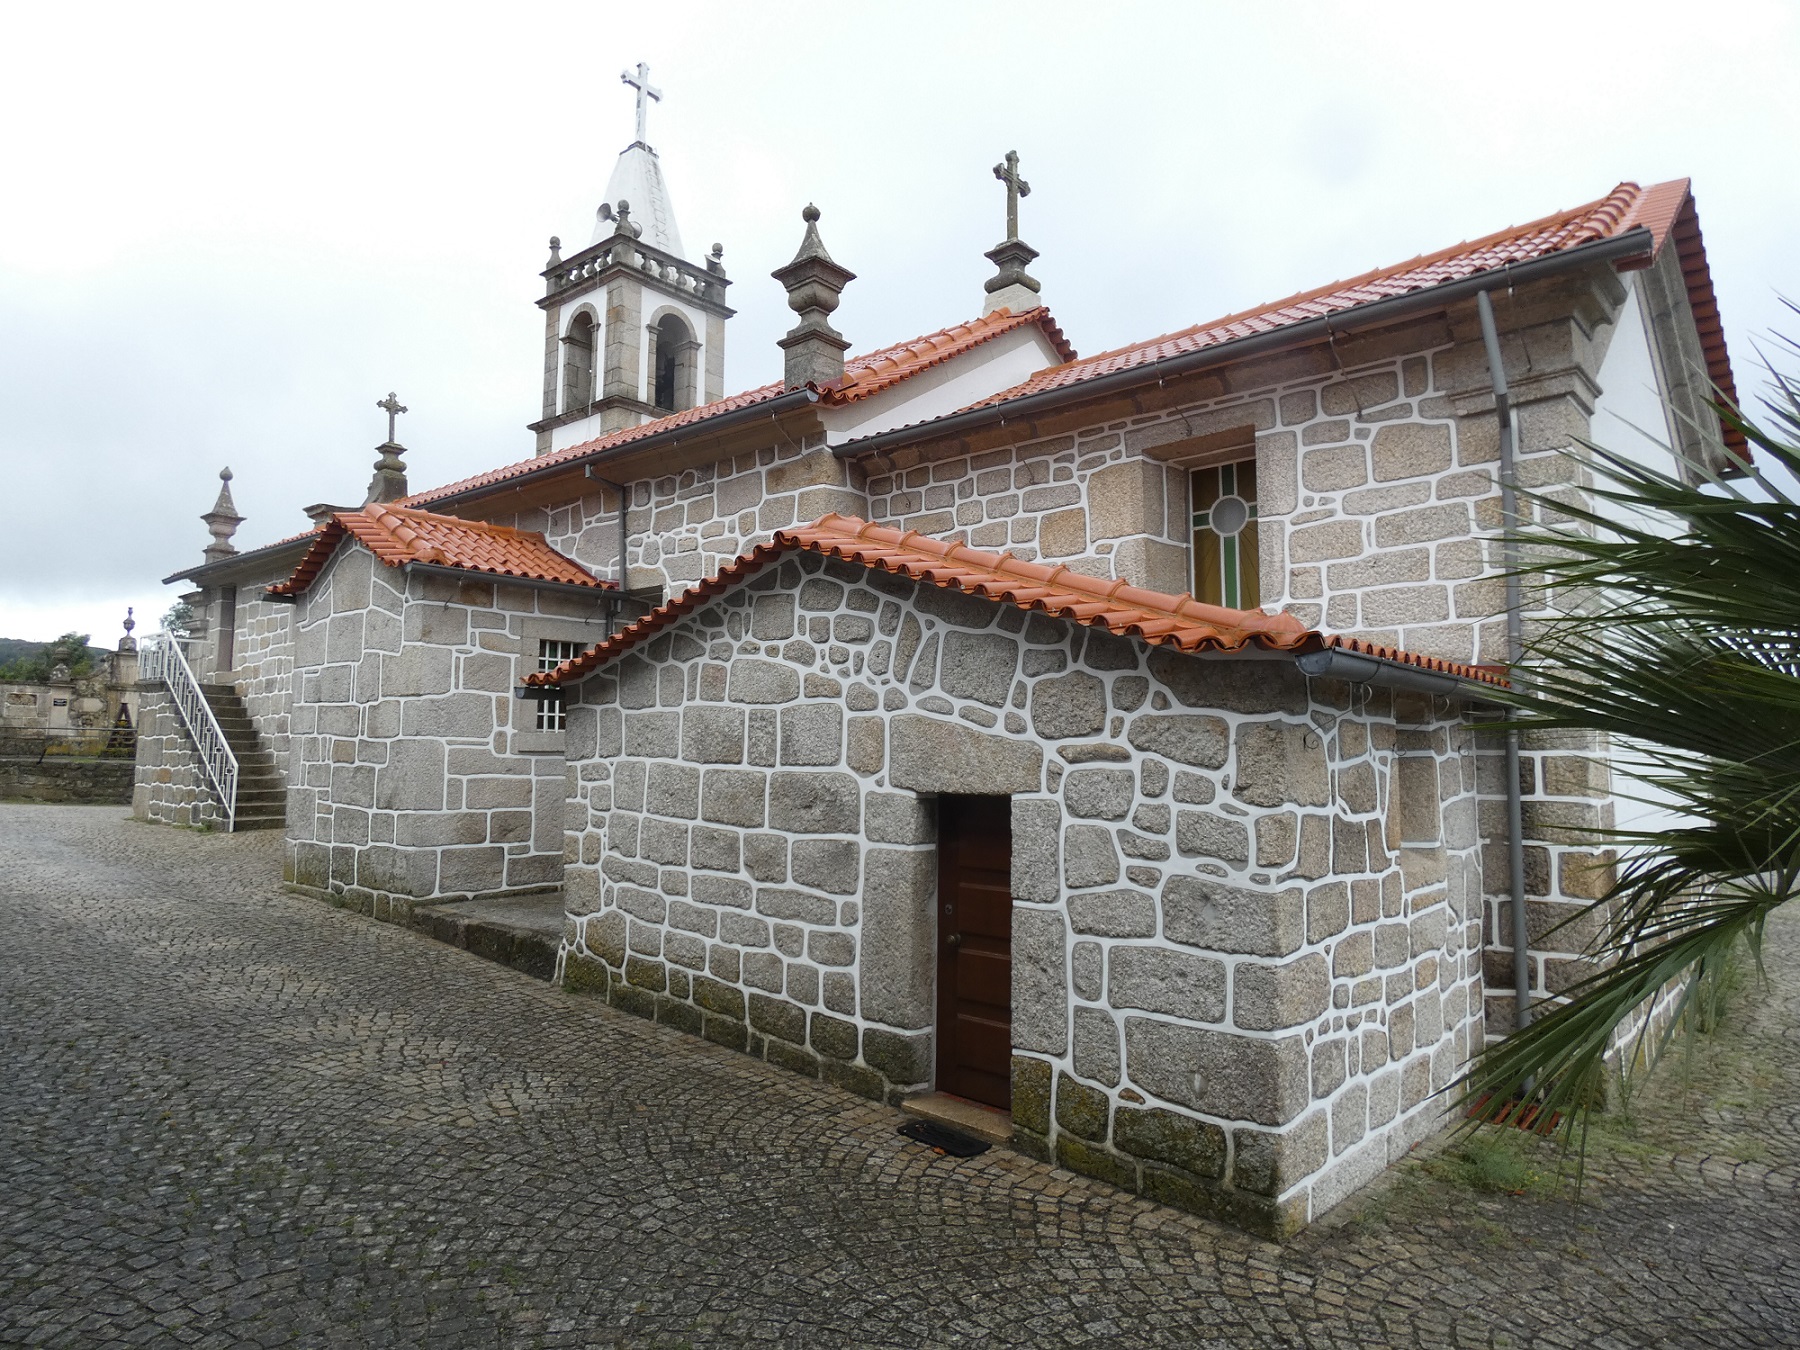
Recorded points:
(407, 783)
(1246, 927)
(1379, 517)
(689, 525)
(170, 786)
(263, 666)
(96, 782)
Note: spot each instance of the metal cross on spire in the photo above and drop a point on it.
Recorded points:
(393, 408)
(645, 90)
(1016, 187)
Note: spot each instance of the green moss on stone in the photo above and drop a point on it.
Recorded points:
(1031, 1079)
(639, 1002)
(1084, 1158)
(834, 1037)
(1030, 1144)
(792, 1057)
(1081, 1109)
(718, 997)
(646, 974)
(778, 1017)
(901, 1059)
(854, 1078)
(682, 1016)
(1192, 1145)
(585, 975)
(726, 1032)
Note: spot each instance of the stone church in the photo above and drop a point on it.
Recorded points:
(1080, 747)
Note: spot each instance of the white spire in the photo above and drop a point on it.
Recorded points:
(637, 179)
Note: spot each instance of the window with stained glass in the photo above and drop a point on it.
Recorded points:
(1225, 558)
(552, 713)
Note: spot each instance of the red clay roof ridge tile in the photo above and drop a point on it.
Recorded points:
(399, 535)
(864, 376)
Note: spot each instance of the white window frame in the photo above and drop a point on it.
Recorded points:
(528, 737)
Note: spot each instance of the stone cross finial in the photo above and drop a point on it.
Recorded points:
(645, 92)
(1011, 288)
(393, 407)
(814, 349)
(1016, 187)
(389, 482)
(222, 521)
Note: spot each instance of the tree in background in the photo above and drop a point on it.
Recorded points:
(178, 620)
(36, 667)
(1684, 646)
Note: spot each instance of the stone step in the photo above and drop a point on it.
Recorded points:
(522, 932)
(261, 823)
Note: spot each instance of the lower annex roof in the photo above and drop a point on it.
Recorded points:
(399, 535)
(1156, 617)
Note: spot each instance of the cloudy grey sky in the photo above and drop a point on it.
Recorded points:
(228, 231)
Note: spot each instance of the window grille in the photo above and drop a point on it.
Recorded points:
(552, 713)
(1226, 568)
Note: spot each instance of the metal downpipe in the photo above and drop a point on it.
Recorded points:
(1509, 558)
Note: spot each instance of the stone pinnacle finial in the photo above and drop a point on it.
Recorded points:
(389, 482)
(222, 521)
(814, 349)
(555, 252)
(128, 643)
(623, 223)
(1012, 288)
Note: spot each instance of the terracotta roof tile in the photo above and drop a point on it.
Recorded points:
(399, 535)
(1664, 209)
(1156, 617)
(865, 375)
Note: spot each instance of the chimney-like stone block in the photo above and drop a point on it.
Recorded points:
(814, 350)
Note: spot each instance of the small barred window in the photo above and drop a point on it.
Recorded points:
(552, 714)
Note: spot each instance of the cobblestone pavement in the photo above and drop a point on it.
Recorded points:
(233, 1116)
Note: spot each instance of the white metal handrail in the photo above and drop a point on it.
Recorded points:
(161, 660)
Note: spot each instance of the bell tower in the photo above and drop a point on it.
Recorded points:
(633, 330)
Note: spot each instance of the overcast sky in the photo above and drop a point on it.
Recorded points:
(228, 231)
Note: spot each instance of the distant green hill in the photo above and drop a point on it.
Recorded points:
(18, 657)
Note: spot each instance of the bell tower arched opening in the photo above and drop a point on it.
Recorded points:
(673, 365)
(578, 362)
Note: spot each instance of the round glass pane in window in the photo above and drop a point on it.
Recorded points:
(1229, 515)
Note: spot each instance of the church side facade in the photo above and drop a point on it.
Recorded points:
(1259, 911)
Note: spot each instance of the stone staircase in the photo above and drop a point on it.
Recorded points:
(261, 795)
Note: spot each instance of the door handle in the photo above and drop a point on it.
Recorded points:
(954, 940)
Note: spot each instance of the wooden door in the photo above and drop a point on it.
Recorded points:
(974, 1046)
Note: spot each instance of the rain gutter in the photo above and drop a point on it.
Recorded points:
(624, 528)
(1379, 670)
(660, 440)
(1635, 242)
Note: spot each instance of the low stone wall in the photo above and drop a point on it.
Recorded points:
(92, 782)
(170, 786)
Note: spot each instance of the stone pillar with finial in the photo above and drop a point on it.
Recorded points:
(125, 672)
(1012, 288)
(389, 482)
(813, 348)
(223, 521)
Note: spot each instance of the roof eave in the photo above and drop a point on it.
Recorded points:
(781, 404)
(224, 566)
(1635, 242)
